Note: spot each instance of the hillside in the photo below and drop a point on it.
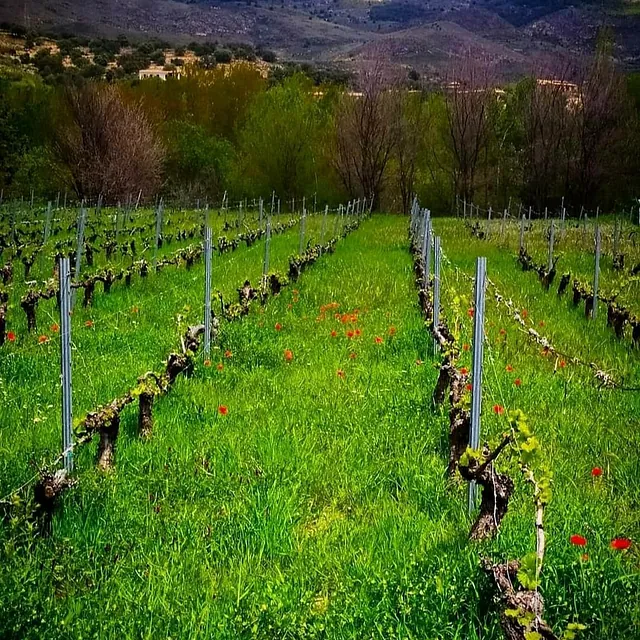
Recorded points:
(425, 35)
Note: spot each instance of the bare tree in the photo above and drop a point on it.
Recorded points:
(469, 100)
(412, 120)
(600, 128)
(366, 133)
(108, 145)
(547, 111)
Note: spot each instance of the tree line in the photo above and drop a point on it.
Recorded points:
(567, 134)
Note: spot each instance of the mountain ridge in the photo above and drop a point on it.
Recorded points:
(424, 35)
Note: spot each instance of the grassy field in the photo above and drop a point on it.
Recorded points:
(295, 486)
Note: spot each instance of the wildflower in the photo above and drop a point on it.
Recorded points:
(222, 410)
(220, 366)
(288, 355)
(468, 386)
(596, 472)
(578, 541)
(334, 334)
(464, 371)
(584, 557)
(43, 339)
(207, 363)
(498, 409)
(392, 331)
(620, 544)
(517, 382)
(509, 368)
(352, 356)
(350, 334)
(11, 337)
(524, 313)
(88, 323)
(379, 340)
(503, 332)
(358, 333)
(228, 354)
(563, 364)
(470, 312)
(340, 373)
(278, 326)
(465, 347)
(55, 327)
(541, 323)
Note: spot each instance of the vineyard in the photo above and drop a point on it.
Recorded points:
(314, 422)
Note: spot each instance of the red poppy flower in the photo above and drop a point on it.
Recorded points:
(288, 355)
(578, 541)
(358, 333)
(222, 410)
(524, 313)
(517, 382)
(88, 323)
(509, 368)
(334, 334)
(379, 340)
(43, 339)
(464, 371)
(468, 386)
(228, 354)
(620, 544)
(350, 334)
(352, 356)
(503, 332)
(596, 472)
(465, 347)
(55, 327)
(470, 312)
(563, 364)
(392, 331)
(498, 409)
(11, 337)
(220, 366)
(278, 326)
(207, 363)
(340, 373)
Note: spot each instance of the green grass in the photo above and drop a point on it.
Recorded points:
(318, 506)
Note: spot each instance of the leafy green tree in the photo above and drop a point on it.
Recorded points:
(279, 142)
(197, 163)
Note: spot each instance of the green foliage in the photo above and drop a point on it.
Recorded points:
(279, 142)
(197, 162)
(527, 574)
